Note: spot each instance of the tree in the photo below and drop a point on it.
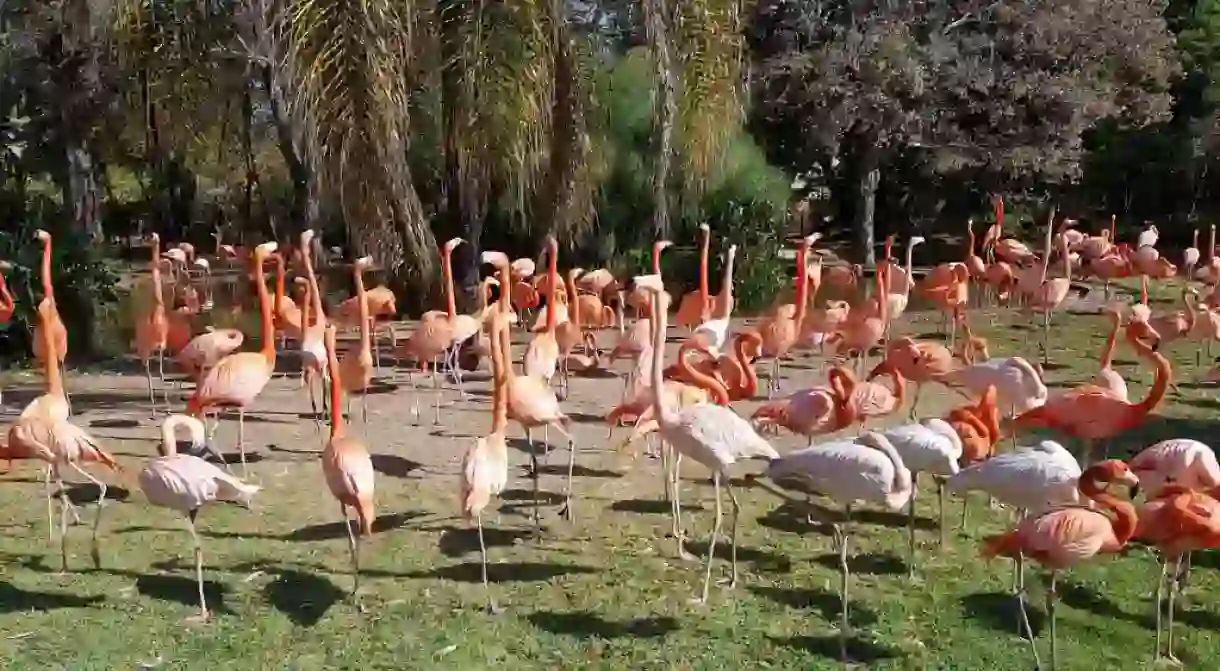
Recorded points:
(1002, 90)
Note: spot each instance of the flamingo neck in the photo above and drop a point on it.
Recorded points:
(264, 310)
(505, 275)
(1107, 354)
(705, 293)
(447, 271)
(506, 357)
(279, 286)
(573, 304)
(802, 286)
(699, 378)
(1124, 521)
(656, 259)
(336, 389)
(158, 298)
(315, 293)
(726, 289)
(366, 338)
(748, 375)
(499, 379)
(48, 291)
(1164, 375)
(969, 241)
(1191, 315)
(906, 289)
(660, 323)
(1143, 290)
(55, 383)
(882, 279)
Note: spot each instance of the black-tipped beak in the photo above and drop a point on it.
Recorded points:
(1135, 490)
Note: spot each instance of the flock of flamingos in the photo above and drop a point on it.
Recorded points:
(1066, 512)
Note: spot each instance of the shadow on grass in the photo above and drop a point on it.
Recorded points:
(457, 541)
(999, 612)
(183, 590)
(114, 423)
(16, 600)
(650, 506)
(503, 573)
(86, 493)
(828, 604)
(545, 498)
(859, 650)
(539, 448)
(763, 561)
(319, 532)
(867, 563)
(578, 471)
(394, 465)
(583, 624)
(303, 597)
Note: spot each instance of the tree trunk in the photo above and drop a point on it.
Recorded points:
(305, 209)
(554, 205)
(656, 19)
(868, 173)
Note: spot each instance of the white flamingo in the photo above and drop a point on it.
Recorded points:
(186, 483)
(1019, 386)
(1180, 461)
(712, 435)
(867, 468)
(931, 447)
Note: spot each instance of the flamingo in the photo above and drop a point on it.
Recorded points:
(1203, 324)
(434, 335)
(485, 463)
(186, 483)
(1052, 292)
(695, 307)
(973, 348)
(1063, 538)
(715, 331)
(1107, 377)
(1190, 256)
(542, 355)
(780, 332)
(313, 338)
(1033, 478)
(206, 349)
(899, 284)
(712, 435)
(1019, 386)
(932, 447)
(357, 365)
(152, 330)
(1177, 522)
(1090, 413)
(236, 380)
(53, 404)
(811, 412)
(532, 403)
(382, 303)
(1209, 274)
(52, 321)
(346, 462)
(7, 305)
(568, 335)
(867, 468)
(974, 263)
(869, 399)
(1179, 461)
(919, 362)
(860, 331)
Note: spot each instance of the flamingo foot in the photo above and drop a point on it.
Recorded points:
(199, 620)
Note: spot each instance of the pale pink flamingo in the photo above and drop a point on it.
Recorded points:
(206, 349)
(434, 335)
(811, 412)
(712, 435)
(1209, 274)
(313, 337)
(1190, 256)
(1052, 292)
(186, 483)
(1107, 377)
(542, 355)
(868, 399)
(1179, 461)
(714, 332)
(52, 320)
(860, 332)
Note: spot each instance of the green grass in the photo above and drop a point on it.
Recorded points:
(604, 594)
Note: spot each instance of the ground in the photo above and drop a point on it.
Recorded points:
(604, 593)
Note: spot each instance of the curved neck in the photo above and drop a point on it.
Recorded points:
(726, 288)
(705, 292)
(1164, 375)
(169, 435)
(264, 310)
(48, 291)
(1107, 354)
(336, 388)
(499, 379)
(447, 272)
(366, 338)
(506, 356)
(698, 377)
(1124, 521)
(656, 258)
(1143, 290)
(748, 375)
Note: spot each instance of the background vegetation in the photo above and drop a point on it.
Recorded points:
(389, 125)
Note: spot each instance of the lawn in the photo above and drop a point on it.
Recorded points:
(603, 593)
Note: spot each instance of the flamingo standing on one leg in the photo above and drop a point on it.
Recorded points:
(357, 366)
(152, 330)
(236, 380)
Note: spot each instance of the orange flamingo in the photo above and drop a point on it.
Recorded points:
(814, 411)
(973, 348)
(1107, 377)
(919, 362)
(780, 332)
(288, 317)
(205, 349)
(357, 367)
(7, 305)
(434, 335)
(1052, 292)
(633, 342)
(869, 399)
(568, 335)
(346, 462)
(59, 334)
(1091, 413)
(52, 405)
(485, 464)
(152, 330)
(861, 331)
(236, 380)
(1066, 537)
(696, 306)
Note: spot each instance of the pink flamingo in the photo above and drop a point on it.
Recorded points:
(696, 306)
(779, 333)
(811, 412)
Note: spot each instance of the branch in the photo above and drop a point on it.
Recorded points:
(969, 17)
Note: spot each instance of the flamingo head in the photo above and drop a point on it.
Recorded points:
(732, 252)
(452, 244)
(497, 259)
(662, 244)
(364, 263)
(261, 251)
(176, 255)
(705, 229)
(1110, 471)
(885, 367)
(156, 237)
(650, 283)
(203, 263)
(307, 237)
(917, 240)
(42, 235)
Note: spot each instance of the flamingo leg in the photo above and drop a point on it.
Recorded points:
(529, 438)
(1051, 597)
(161, 374)
(1173, 589)
(152, 402)
(63, 525)
(911, 526)
(63, 374)
(568, 510)
(203, 604)
(241, 439)
(46, 480)
(436, 416)
(353, 546)
(965, 511)
(844, 628)
(491, 602)
(1033, 646)
(95, 554)
(940, 506)
(733, 534)
(711, 547)
(1160, 600)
